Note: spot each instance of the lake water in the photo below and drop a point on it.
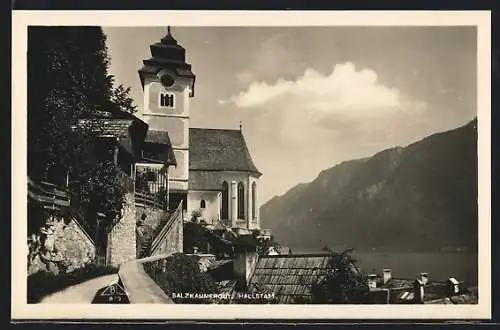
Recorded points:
(440, 266)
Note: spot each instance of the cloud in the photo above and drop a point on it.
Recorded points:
(245, 76)
(345, 91)
(327, 106)
(302, 126)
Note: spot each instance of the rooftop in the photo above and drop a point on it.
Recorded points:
(290, 277)
(158, 146)
(107, 126)
(217, 150)
(402, 291)
(167, 54)
(126, 128)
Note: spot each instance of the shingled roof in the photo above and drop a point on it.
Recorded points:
(128, 129)
(114, 127)
(154, 136)
(204, 180)
(167, 55)
(219, 150)
(289, 277)
(158, 146)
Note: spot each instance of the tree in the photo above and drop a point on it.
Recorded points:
(103, 192)
(68, 80)
(120, 97)
(344, 283)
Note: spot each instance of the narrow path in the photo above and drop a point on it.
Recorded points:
(141, 288)
(82, 293)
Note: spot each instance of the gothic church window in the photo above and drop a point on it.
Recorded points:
(225, 201)
(254, 195)
(166, 100)
(241, 201)
(203, 204)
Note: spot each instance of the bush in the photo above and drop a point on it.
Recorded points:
(41, 284)
(181, 274)
(194, 235)
(343, 283)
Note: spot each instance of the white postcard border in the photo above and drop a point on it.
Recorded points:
(20, 21)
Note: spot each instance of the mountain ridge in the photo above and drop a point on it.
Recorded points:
(419, 197)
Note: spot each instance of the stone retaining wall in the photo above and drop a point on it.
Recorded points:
(122, 239)
(66, 247)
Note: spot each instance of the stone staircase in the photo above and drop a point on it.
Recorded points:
(146, 247)
(165, 222)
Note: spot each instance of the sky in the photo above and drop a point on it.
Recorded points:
(312, 97)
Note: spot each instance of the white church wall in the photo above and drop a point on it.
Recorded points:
(154, 88)
(177, 128)
(217, 178)
(179, 174)
(211, 213)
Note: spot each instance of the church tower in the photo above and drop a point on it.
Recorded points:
(168, 85)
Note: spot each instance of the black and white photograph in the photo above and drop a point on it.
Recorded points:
(252, 163)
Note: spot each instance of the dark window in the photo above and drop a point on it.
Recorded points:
(151, 175)
(202, 204)
(167, 100)
(225, 201)
(241, 201)
(254, 194)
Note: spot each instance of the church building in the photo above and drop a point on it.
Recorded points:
(212, 171)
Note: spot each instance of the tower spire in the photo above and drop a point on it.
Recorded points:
(168, 39)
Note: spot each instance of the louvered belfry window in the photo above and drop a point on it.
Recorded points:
(166, 100)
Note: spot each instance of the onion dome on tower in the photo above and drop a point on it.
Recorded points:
(168, 62)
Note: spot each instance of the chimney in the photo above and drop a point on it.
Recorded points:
(453, 286)
(387, 274)
(244, 260)
(424, 278)
(372, 281)
(419, 291)
(420, 284)
(234, 203)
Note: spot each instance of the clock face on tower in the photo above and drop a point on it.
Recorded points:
(166, 98)
(166, 80)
